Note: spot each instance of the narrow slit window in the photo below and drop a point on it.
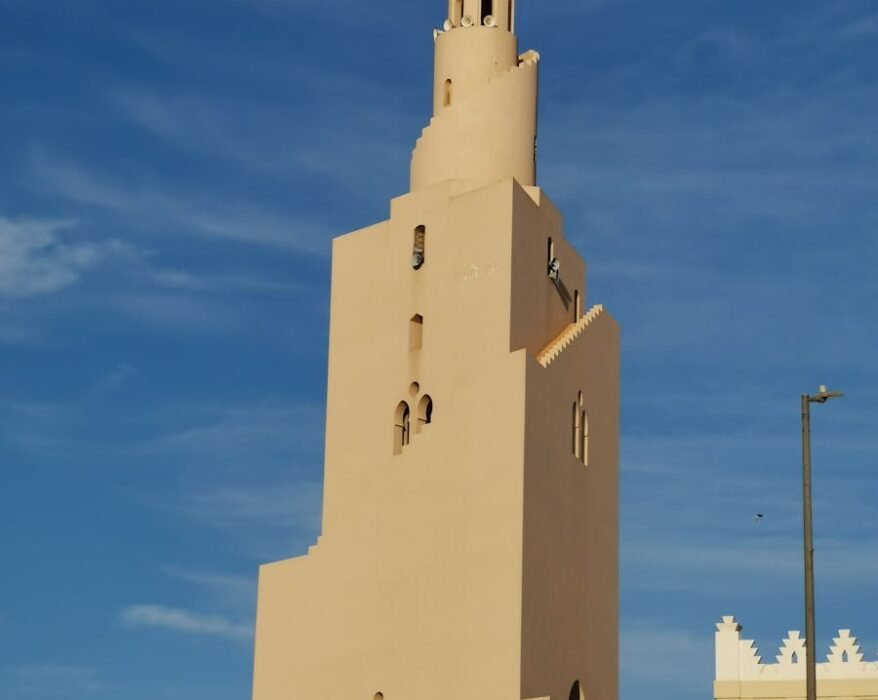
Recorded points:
(583, 450)
(416, 332)
(553, 265)
(509, 22)
(577, 306)
(487, 9)
(425, 412)
(419, 247)
(446, 99)
(401, 428)
(575, 427)
(458, 12)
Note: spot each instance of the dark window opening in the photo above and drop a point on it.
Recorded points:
(416, 332)
(458, 13)
(583, 450)
(576, 692)
(487, 9)
(509, 22)
(425, 412)
(401, 427)
(419, 247)
(553, 265)
(446, 97)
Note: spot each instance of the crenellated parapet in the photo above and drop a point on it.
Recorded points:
(742, 673)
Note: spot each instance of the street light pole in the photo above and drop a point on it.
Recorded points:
(810, 632)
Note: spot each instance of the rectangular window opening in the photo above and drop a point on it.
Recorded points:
(416, 332)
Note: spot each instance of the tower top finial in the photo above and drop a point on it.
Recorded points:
(495, 14)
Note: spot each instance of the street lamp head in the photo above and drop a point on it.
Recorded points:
(823, 395)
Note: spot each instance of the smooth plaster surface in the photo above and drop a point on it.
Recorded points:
(480, 560)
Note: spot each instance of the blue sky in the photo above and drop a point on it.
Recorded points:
(171, 176)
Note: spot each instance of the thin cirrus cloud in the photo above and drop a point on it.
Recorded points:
(36, 260)
(236, 591)
(184, 621)
(50, 680)
(235, 221)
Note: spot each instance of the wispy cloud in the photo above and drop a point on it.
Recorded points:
(184, 621)
(239, 592)
(751, 565)
(172, 311)
(35, 259)
(230, 433)
(290, 507)
(233, 219)
(43, 681)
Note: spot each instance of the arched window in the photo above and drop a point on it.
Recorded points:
(576, 692)
(845, 657)
(416, 332)
(378, 696)
(401, 427)
(419, 247)
(425, 412)
(487, 9)
(794, 658)
(446, 99)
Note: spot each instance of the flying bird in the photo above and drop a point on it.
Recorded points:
(758, 517)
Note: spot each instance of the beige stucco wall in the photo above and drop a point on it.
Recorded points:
(479, 561)
(741, 673)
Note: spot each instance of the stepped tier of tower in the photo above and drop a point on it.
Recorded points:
(485, 116)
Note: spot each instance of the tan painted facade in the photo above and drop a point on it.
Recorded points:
(742, 675)
(470, 523)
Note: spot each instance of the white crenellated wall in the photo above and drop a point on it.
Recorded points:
(738, 660)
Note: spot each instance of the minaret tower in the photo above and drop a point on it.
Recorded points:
(470, 522)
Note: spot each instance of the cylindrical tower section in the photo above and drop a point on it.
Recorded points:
(484, 133)
(466, 59)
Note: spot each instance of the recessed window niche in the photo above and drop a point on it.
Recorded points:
(416, 332)
(401, 427)
(425, 412)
